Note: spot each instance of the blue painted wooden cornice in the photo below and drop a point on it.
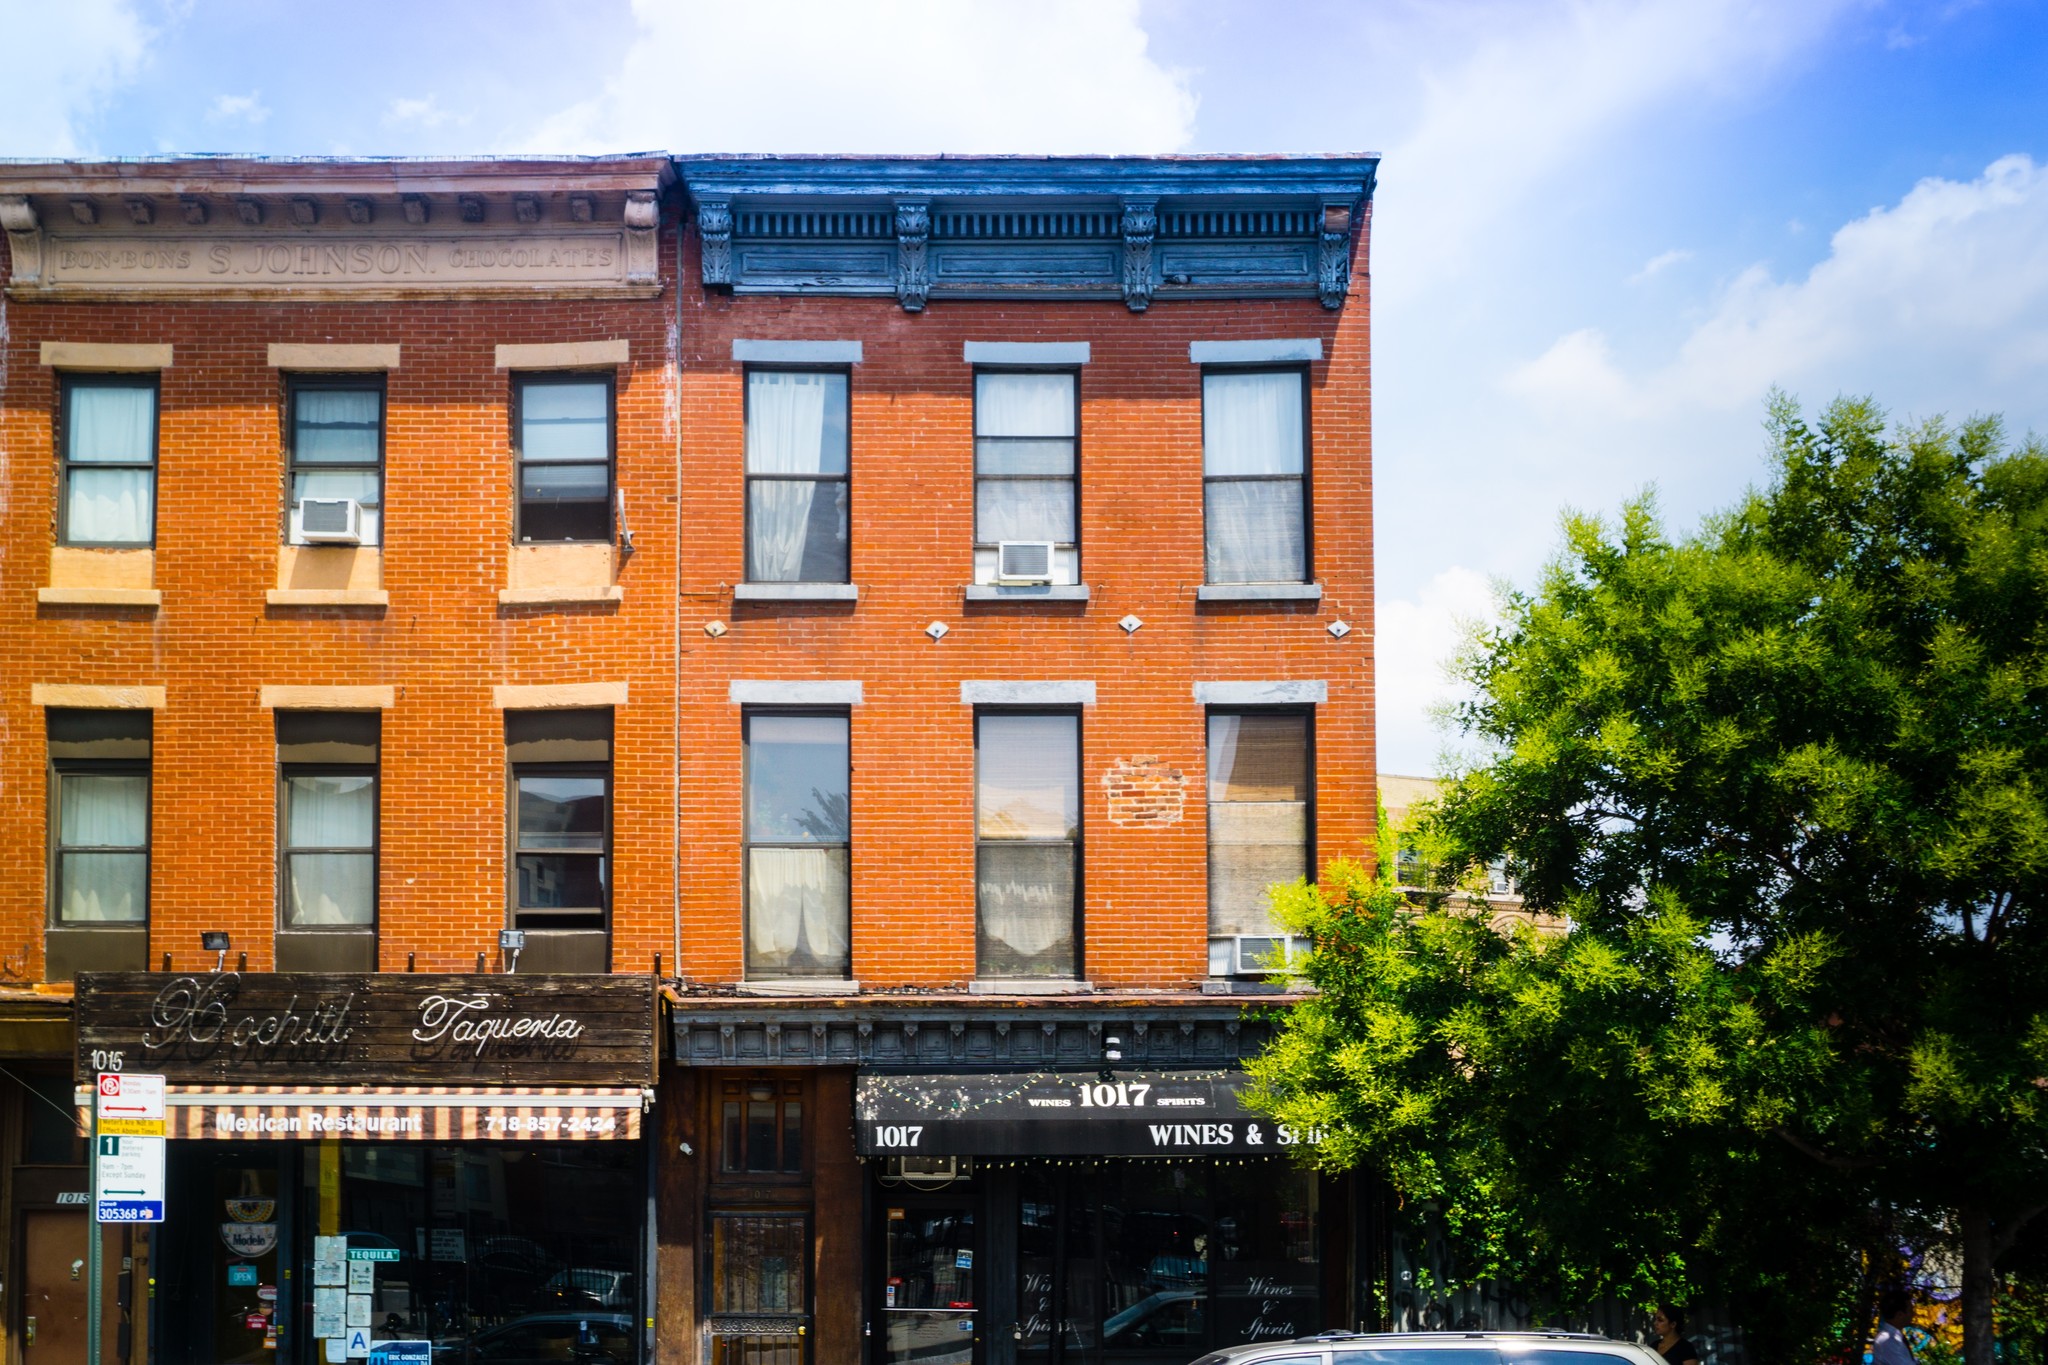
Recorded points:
(1134, 228)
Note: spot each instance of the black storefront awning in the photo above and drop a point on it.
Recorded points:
(1136, 1113)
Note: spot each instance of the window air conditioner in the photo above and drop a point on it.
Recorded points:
(1024, 561)
(331, 521)
(1253, 954)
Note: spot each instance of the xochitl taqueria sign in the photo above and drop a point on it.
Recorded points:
(1132, 1113)
(380, 1029)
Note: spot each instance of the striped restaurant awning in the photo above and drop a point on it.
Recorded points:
(399, 1113)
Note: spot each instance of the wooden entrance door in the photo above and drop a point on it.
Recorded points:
(53, 1284)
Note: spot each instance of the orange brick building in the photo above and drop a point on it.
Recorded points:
(826, 651)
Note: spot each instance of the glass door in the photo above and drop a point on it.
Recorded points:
(928, 1282)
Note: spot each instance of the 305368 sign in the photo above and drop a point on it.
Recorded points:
(267, 1028)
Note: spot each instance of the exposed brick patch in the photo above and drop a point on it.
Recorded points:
(1145, 791)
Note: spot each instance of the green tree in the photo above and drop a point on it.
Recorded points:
(1788, 779)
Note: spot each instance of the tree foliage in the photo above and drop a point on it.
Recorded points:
(1788, 779)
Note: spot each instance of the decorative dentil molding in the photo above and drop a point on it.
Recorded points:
(913, 240)
(1140, 224)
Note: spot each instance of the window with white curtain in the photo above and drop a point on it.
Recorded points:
(337, 449)
(1254, 454)
(99, 786)
(327, 819)
(1025, 426)
(799, 827)
(564, 428)
(561, 818)
(797, 528)
(109, 466)
(1258, 819)
(1027, 844)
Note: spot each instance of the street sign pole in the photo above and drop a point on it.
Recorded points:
(94, 1271)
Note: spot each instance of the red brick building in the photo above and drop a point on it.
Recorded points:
(903, 611)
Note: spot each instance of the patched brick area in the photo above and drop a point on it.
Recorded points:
(1145, 791)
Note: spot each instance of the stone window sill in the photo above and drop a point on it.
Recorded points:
(520, 597)
(800, 985)
(1259, 592)
(795, 592)
(1020, 985)
(1233, 986)
(1037, 592)
(100, 597)
(327, 597)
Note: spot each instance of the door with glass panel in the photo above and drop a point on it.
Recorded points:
(760, 1292)
(928, 1262)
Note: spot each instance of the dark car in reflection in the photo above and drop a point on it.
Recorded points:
(546, 1339)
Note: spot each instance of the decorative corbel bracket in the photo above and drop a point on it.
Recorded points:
(714, 240)
(24, 237)
(1140, 228)
(643, 213)
(913, 253)
(1333, 256)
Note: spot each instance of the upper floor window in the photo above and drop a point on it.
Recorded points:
(1258, 828)
(337, 458)
(565, 448)
(99, 840)
(109, 468)
(561, 817)
(797, 521)
(1254, 458)
(327, 794)
(799, 831)
(1025, 425)
(1027, 849)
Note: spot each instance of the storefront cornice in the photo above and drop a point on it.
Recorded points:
(921, 1033)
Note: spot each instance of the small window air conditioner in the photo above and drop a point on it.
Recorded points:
(1254, 954)
(1024, 561)
(331, 521)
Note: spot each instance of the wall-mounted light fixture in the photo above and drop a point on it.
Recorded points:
(215, 941)
(510, 941)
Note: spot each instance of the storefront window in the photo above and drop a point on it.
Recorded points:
(1135, 1259)
(500, 1254)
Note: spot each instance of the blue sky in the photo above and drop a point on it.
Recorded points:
(1604, 228)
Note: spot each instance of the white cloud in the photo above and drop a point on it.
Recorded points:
(67, 59)
(1536, 87)
(1041, 76)
(423, 113)
(247, 108)
(1418, 637)
(1660, 263)
(1941, 298)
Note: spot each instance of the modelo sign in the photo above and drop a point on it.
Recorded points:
(383, 1028)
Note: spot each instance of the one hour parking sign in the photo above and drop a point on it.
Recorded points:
(130, 1180)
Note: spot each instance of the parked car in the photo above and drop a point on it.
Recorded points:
(1439, 1348)
(580, 1286)
(547, 1339)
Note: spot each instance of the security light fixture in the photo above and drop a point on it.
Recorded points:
(1112, 1052)
(215, 941)
(510, 941)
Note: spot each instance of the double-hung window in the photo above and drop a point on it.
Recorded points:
(1259, 765)
(1027, 846)
(565, 446)
(799, 827)
(337, 454)
(561, 818)
(327, 792)
(99, 840)
(1025, 426)
(797, 515)
(1254, 485)
(109, 465)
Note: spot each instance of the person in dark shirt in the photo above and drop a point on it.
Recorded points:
(1666, 1326)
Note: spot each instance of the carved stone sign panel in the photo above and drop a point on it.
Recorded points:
(381, 1028)
(206, 263)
